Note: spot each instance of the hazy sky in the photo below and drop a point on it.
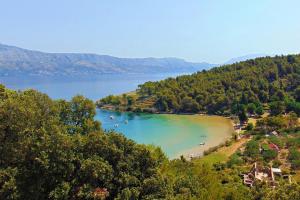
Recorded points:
(196, 30)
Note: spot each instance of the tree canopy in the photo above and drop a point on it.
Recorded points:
(230, 89)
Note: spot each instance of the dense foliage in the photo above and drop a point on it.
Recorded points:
(242, 88)
(55, 150)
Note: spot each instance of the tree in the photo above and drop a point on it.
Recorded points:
(251, 108)
(42, 159)
(131, 100)
(293, 106)
(78, 115)
(189, 105)
(223, 90)
(269, 154)
(8, 184)
(259, 110)
(252, 149)
(249, 126)
(283, 192)
(277, 107)
(235, 160)
(243, 116)
(297, 94)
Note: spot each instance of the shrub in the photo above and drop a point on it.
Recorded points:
(249, 127)
(235, 160)
(276, 163)
(295, 164)
(269, 155)
(252, 149)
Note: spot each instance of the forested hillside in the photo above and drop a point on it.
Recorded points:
(56, 150)
(240, 88)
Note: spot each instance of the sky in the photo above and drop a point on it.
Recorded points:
(196, 30)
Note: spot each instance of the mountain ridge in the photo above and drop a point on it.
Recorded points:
(15, 61)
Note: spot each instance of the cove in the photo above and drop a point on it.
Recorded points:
(175, 134)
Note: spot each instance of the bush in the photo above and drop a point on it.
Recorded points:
(269, 154)
(235, 160)
(295, 164)
(249, 127)
(276, 163)
(252, 149)
(294, 154)
(277, 141)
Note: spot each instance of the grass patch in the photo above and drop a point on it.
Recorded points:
(212, 158)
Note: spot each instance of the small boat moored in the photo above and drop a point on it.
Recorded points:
(202, 143)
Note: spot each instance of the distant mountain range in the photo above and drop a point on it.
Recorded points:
(15, 62)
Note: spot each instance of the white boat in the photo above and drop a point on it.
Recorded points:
(111, 117)
(116, 125)
(202, 143)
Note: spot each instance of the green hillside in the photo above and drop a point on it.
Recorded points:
(246, 87)
(54, 149)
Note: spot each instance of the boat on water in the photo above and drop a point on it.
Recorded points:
(111, 117)
(116, 125)
(202, 143)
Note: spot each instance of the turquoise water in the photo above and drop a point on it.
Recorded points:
(175, 134)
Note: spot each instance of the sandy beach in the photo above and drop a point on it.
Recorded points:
(219, 130)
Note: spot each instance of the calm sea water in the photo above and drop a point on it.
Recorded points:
(94, 88)
(175, 134)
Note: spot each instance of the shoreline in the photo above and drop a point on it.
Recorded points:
(220, 130)
(112, 108)
(218, 139)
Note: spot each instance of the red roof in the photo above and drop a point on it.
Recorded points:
(274, 146)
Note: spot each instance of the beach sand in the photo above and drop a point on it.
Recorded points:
(219, 130)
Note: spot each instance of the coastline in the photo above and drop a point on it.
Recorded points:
(221, 133)
(219, 129)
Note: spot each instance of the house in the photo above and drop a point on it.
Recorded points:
(259, 173)
(274, 147)
(276, 171)
(274, 133)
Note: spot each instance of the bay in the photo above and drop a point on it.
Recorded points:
(175, 134)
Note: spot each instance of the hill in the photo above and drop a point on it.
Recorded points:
(56, 150)
(16, 61)
(250, 86)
